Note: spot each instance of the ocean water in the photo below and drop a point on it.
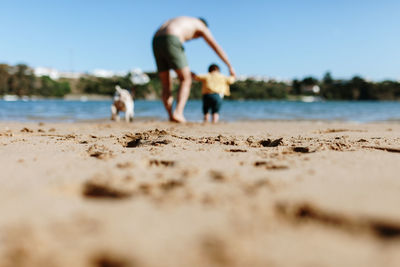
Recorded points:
(71, 111)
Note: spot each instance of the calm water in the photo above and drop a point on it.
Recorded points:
(69, 111)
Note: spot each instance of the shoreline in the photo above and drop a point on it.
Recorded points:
(139, 119)
(231, 111)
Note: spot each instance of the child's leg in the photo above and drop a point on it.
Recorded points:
(215, 117)
(206, 107)
(216, 107)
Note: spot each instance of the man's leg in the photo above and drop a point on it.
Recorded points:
(185, 79)
(206, 117)
(166, 92)
(215, 117)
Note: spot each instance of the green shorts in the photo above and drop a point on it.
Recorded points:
(169, 53)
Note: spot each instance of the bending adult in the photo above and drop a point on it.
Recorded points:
(169, 54)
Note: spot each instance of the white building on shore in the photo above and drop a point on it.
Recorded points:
(137, 75)
(263, 78)
(55, 74)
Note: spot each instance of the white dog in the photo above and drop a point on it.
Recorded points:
(123, 101)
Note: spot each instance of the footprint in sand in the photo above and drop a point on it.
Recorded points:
(339, 130)
(165, 163)
(271, 143)
(270, 166)
(340, 146)
(332, 131)
(229, 141)
(125, 165)
(145, 188)
(302, 149)
(385, 229)
(108, 259)
(99, 152)
(171, 184)
(26, 130)
(388, 149)
(101, 187)
(149, 138)
(67, 137)
(217, 176)
(237, 150)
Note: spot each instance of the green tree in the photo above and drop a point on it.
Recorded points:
(327, 80)
(296, 87)
(51, 88)
(4, 78)
(22, 80)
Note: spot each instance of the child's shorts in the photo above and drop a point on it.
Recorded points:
(213, 102)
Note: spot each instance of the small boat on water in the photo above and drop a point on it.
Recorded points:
(10, 97)
(310, 99)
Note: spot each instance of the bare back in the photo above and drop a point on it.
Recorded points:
(188, 28)
(185, 28)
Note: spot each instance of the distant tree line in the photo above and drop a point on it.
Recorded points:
(356, 88)
(20, 80)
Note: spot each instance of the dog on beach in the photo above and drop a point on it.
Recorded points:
(123, 101)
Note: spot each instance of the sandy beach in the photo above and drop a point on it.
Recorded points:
(233, 194)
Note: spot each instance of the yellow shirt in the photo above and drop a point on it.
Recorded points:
(215, 83)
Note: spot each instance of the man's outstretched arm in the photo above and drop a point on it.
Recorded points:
(206, 34)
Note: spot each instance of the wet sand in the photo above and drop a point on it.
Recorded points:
(233, 194)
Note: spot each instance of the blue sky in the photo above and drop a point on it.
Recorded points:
(286, 38)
